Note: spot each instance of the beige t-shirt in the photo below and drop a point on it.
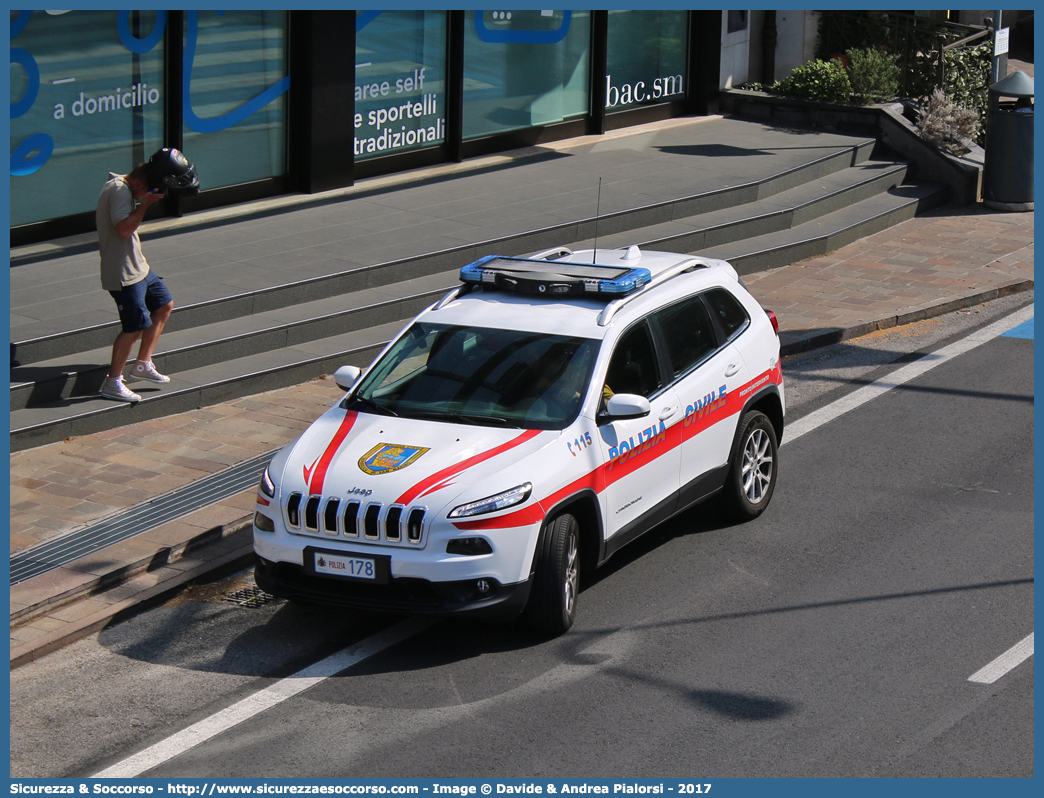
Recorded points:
(122, 262)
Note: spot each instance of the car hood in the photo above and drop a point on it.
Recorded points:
(397, 460)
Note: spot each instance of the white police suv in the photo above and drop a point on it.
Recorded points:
(524, 428)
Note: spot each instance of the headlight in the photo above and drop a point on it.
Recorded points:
(267, 487)
(490, 504)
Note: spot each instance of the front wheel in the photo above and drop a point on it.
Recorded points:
(552, 602)
(752, 468)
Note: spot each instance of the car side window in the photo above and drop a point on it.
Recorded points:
(688, 333)
(731, 315)
(633, 367)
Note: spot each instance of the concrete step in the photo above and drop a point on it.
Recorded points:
(269, 350)
(832, 231)
(69, 377)
(783, 211)
(274, 348)
(81, 375)
(293, 364)
(199, 387)
(223, 302)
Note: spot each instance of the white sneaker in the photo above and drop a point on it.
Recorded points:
(113, 388)
(144, 370)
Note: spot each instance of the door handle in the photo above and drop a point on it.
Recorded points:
(667, 412)
(731, 369)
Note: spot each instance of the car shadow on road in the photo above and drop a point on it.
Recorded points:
(275, 638)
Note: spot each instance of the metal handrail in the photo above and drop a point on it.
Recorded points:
(967, 39)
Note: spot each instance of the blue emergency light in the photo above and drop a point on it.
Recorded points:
(553, 278)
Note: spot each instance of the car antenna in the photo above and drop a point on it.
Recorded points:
(598, 210)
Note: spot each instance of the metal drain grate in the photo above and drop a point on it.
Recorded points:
(248, 597)
(128, 523)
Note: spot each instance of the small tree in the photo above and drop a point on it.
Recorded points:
(874, 75)
(947, 126)
(825, 81)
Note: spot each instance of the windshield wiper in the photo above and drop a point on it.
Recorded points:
(463, 418)
(363, 400)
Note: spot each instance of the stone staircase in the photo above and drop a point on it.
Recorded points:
(283, 333)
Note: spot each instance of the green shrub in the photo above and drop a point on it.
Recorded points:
(968, 79)
(874, 75)
(824, 81)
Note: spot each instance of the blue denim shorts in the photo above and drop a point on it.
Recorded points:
(137, 301)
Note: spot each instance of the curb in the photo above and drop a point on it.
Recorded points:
(241, 554)
(817, 340)
(169, 584)
(125, 572)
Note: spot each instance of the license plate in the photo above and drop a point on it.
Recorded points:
(341, 565)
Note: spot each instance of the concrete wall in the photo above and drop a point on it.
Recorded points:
(798, 37)
(735, 54)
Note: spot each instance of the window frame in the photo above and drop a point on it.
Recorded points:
(658, 354)
(722, 340)
(722, 336)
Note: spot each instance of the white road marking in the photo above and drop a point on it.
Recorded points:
(1007, 661)
(272, 695)
(903, 375)
(354, 739)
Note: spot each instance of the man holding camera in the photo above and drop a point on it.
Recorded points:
(143, 300)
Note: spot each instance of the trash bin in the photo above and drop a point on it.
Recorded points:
(1007, 178)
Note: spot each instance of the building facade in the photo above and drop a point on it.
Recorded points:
(273, 102)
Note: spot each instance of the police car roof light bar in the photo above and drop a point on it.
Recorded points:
(539, 277)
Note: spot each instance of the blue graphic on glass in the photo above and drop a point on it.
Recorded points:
(25, 162)
(19, 22)
(20, 56)
(133, 43)
(22, 164)
(365, 18)
(233, 117)
(513, 33)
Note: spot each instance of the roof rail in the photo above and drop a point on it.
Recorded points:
(682, 267)
(453, 294)
(552, 254)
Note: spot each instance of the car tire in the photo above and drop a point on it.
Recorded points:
(753, 468)
(556, 581)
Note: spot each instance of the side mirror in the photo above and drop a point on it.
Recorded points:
(627, 405)
(346, 376)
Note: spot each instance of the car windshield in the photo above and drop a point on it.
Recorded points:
(474, 375)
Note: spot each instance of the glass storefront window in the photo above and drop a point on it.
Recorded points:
(400, 81)
(86, 100)
(646, 58)
(524, 68)
(235, 95)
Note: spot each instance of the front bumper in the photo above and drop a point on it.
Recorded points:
(400, 595)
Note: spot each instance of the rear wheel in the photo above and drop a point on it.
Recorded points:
(752, 468)
(552, 602)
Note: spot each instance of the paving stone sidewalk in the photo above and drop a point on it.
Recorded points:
(950, 258)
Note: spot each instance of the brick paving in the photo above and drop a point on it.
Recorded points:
(949, 258)
(943, 257)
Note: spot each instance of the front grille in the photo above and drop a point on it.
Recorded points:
(393, 524)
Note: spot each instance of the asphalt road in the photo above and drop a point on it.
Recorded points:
(834, 636)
